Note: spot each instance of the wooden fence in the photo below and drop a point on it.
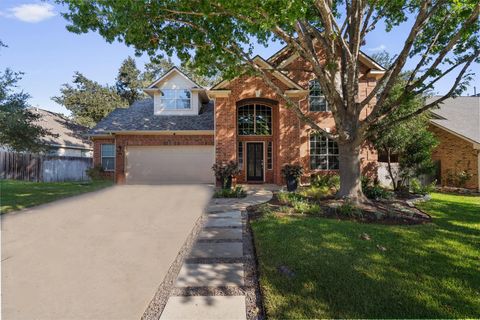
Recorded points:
(31, 167)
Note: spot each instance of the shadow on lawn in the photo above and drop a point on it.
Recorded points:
(427, 271)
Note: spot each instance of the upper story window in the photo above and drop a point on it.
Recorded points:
(317, 101)
(108, 157)
(254, 119)
(323, 153)
(175, 99)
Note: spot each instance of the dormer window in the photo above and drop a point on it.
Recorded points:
(175, 99)
(317, 101)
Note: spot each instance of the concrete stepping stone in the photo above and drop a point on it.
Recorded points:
(205, 307)
(217, 250)
(223, 222)
(210, 275)
(221, 234)
(230, 214)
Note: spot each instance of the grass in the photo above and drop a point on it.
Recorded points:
(16, 195)
(426, 271)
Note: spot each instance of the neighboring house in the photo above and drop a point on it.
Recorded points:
(456, 124)
(70, 140)
(178, 134)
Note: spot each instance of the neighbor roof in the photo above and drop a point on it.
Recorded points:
(70, 135)
(140, 117)
(460, 115)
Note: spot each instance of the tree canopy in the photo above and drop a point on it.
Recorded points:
(129, 84)
(19, 131)
(220, 35)
(88, 100)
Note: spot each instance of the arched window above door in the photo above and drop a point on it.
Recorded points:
(254, 119)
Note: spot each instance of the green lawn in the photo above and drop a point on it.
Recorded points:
(427, 271)
(15, 195)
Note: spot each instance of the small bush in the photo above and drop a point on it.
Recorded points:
(458, 178)
(372, 190)
(377, 192)
(331, 181)
(95, 173)
(237, 192)
(348, 209)
(289, 198)
(416, 187)
(316, 193)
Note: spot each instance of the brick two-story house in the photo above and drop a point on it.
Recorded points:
(177, 135)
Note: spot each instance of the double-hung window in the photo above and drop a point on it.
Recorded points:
(108, 157)
(175, 99)
(316, 98)
(323, 153)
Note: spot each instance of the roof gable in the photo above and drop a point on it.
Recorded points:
(259, 61)
(276, 59)
(172, 71)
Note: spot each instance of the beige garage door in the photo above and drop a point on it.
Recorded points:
(169, 164)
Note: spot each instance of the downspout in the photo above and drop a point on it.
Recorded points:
(478, 170)
(477, 147)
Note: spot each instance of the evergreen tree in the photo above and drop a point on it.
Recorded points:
(129, 85)
(88, 100)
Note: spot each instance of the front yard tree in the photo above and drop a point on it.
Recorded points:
(409, 140)
(442, 39)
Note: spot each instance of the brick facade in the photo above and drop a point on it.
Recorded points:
(455, 154)
(123, 141)
(290, 137)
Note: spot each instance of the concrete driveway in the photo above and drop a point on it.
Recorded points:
(100, 255)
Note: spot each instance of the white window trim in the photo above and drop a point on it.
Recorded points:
(114, 156)
(320, 154)
(176, 99)
(327, 109)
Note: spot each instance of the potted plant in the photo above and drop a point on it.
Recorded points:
(292, 173)
(224, 172)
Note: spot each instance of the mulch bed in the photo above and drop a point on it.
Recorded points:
(391, 212)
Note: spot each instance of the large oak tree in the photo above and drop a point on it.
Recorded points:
(442, 39)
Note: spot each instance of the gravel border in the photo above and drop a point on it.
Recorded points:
(253, 295)
(157, 304)
(250, 289)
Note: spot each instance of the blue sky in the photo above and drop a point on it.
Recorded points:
(40, 46)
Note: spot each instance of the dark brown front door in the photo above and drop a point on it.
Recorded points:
(254, 161)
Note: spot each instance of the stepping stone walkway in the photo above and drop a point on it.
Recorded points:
(215, 262)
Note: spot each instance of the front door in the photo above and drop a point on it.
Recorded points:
(254, 161)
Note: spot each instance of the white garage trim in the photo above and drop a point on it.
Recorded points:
(169, 164)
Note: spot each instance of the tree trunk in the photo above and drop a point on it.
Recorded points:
(350, 173)
(390, 170)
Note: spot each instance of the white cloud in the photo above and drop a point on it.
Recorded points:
(32, 12)
(379, 48)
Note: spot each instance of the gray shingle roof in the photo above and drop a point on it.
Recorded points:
(460, 115)
(69, 134)
(139, 117)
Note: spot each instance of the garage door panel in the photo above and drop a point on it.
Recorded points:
(169, 164)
